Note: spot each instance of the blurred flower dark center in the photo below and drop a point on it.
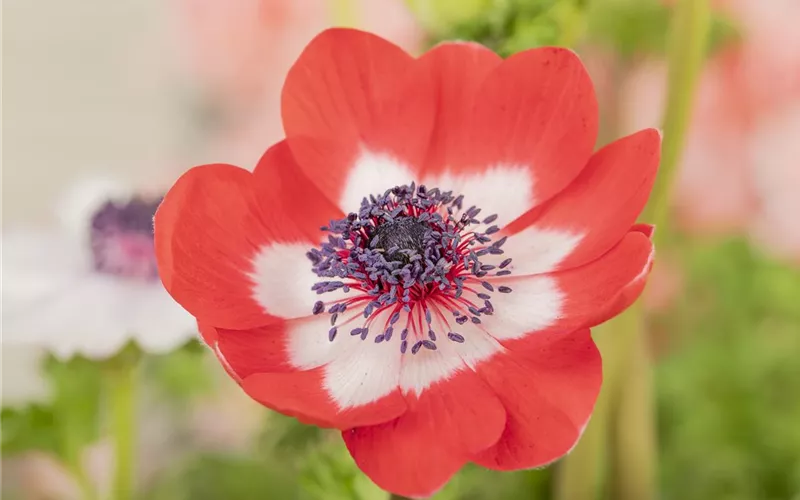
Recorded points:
(121, 239)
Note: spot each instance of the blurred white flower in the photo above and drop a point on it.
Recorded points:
(90, 286)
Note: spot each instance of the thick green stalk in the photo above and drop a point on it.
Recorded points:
(688, 44)
(121, 375)
(624, 417)
(581, 475)
(634, 454)
(344, 13)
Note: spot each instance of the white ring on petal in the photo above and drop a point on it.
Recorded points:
(427, 367)
(307, 342)
(505, 190)
(282, 280)
(373, 173)
(536, 251)
(362, 371)
(535, 303)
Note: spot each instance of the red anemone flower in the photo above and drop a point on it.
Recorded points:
(418, 263)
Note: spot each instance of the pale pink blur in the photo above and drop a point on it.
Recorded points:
(241, 51)
(740, 170)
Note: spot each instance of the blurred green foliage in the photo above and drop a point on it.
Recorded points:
(182, 375)
(65, 425)
(629, 27)
(728, 395)
(639, 27)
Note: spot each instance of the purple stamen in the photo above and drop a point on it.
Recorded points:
(456, 337)
(408, 247)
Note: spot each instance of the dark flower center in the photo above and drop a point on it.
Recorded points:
(121, 239)
(409, 253)
(401, 237)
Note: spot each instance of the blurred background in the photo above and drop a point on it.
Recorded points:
(111, 101)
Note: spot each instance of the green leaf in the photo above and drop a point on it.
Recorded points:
(182, 374)
(29, 428)
(77, 389)
(331, 474)
(216, 477)
(639, 27)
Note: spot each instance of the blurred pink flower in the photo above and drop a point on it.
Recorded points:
(240, 52)
(740, 163)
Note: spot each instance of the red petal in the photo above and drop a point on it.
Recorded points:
(216, 218)
(255, 351)
(288, 191)
(598, 285)
(632, 290)
(646, 229)
(351, 90)
(207, 332)
(416, 454)
(548, 383)
(207, 229)
(536, 110)
(604, 201)
(302, 394)
(456, 71)
(566, 300)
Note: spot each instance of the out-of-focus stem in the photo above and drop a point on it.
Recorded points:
(634, 453)
(688, 44)
(625, 409)
(581, 475)
(122, 373)
(344, 13)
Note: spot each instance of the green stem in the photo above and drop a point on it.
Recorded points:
(78, 471)
(581, 475)
(624, 411)
(344, 13)
(398, 497)
(122, 401)
(634, 454)
(72, 449)
(687, 49)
